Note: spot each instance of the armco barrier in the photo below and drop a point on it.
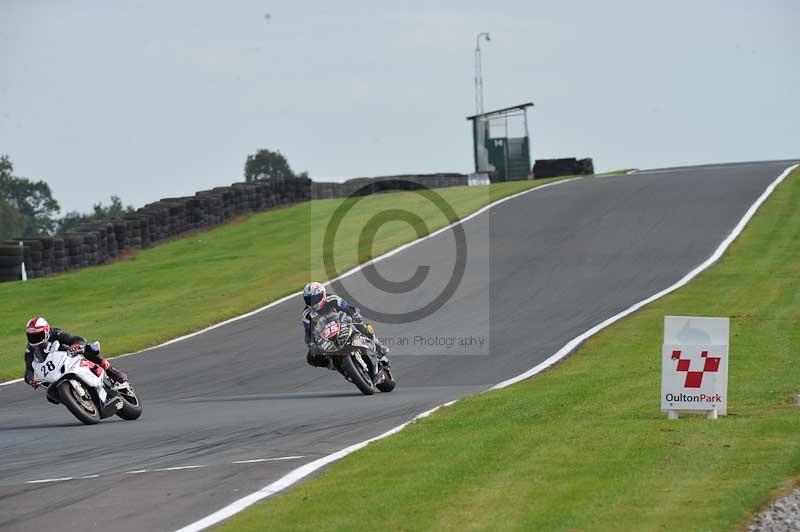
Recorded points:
(96, 243)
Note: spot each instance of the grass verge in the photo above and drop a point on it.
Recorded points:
(584, 446)
(621, 171)
(205, 278)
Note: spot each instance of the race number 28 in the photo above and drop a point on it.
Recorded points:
(47, 368)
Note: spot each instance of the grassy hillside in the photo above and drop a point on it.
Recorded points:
(199, 280)
(584, 445)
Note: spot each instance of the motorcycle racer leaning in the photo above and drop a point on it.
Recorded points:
(41, 335)
(318, 304)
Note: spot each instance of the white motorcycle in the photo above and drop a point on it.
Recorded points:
(83, 386)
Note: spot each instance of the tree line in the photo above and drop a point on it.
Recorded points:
(28, 208)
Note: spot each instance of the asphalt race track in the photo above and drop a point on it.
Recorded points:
(541, 268)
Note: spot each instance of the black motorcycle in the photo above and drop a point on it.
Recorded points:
(353, 353)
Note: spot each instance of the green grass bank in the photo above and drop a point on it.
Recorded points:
(584, 446)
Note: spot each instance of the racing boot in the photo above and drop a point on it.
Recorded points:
(92, 352)
(382, 350)
(383, 354)
(114, 374)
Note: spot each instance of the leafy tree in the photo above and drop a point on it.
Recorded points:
(33, 200)
(115, 209)
(266, 164)
(99, 212)
(11, 223)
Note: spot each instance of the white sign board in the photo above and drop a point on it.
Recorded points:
(694, 365)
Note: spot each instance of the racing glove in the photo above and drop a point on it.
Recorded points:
(314, 349)
(76, 349)
(29, 380)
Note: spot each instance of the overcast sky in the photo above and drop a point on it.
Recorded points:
(150, 99)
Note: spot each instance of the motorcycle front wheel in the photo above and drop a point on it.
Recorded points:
(388, 384)
(81, 407)
(357, 375)
(131, 406)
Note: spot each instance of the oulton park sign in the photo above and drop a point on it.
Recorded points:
(694, 366)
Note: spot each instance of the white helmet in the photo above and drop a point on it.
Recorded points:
(315, 295)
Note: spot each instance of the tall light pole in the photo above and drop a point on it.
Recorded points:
(479, 73)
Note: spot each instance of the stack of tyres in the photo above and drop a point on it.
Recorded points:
(111, 240)
(240, 201)
(301, 190)
(267, 196)
(246, 197)
(155, 223)
(321, 190)
(562, 167)
(196, 212)
(47, 254)
(134, 231)
(94, 244)
(174, 220)
(237, 196)
(59, 255)
(258, 196)
(251, 197)
(212, 207)
(10, 261)
(178, 218)
(121, 234)
(73, 244)
(151, 230)
(228, 199)
(197, 215)
(32, 253)
(102, 242)
(586, 166)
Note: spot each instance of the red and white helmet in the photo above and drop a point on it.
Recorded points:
(37, 330)
(315, 295)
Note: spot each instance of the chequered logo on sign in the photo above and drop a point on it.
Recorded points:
(695, 378)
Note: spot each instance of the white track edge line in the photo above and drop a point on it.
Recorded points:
(303, 471)
(296, 475)
(178, 468)
(62, 479)
(278, 459)
(575, 342)
(342, 276)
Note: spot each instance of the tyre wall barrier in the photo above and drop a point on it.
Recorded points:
(96, 243)
(363, 186)
(560, 167)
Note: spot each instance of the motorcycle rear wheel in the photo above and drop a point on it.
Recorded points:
(78, 406)
(357, 376)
